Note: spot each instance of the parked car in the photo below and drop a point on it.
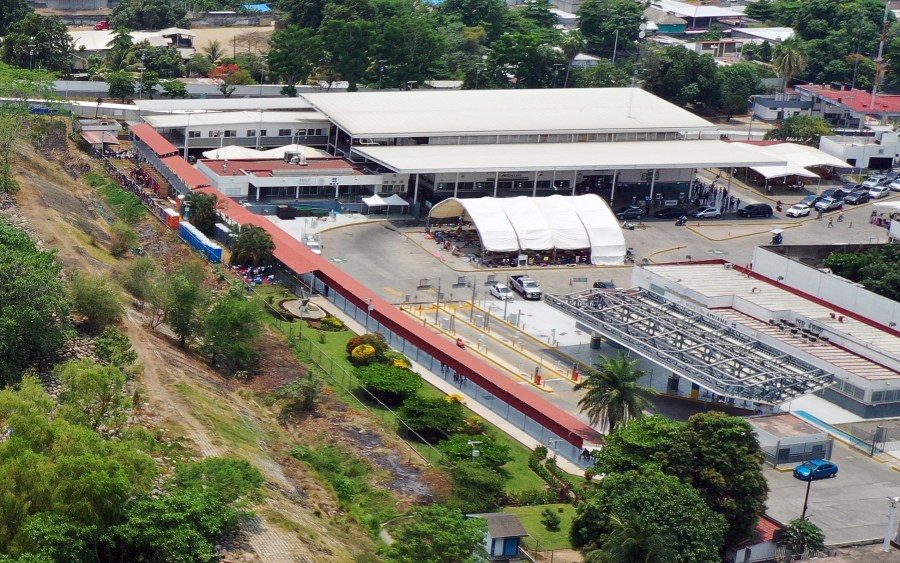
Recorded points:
(756, 210)
(500, 291)
(815, 469)
(873, 181)
(810, 200)
(799, 210)
(892, 176)
(829, 204)
(895, 186)
(835, 193)
(879, 192)
(706, 212)
(670, 213)
(851, 187)
(604, 285)
(857, 197)
(630, 212)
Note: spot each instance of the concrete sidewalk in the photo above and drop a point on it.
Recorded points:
(449, 389)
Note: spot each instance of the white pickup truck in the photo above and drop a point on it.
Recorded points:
(527, 287)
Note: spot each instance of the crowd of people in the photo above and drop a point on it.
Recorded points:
(463, 241)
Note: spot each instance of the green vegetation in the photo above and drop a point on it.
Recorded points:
(33, 324)
(613, 396)
(253, 246)
(801, 535)
(96, 299)
(389, 384)
(806, 129)
(127, 206)
(875, 269)
(436, 534)
(350, 477)
(113, 348)
(539, 537)
(229, 331)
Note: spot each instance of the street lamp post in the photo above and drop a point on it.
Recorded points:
(31, 47)
(806, 499)
(141, 87)
(381, 73)
(369, 309)
(556, 68)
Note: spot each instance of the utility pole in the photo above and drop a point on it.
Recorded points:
(879, 62)
(472, 309)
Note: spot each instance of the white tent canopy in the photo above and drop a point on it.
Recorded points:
(541, 223)
(233, 152)
(308, 152)
(799, 158)
(889, 206)
(394, 199)
(374, 201)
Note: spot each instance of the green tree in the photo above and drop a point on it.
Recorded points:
(602, 75)
(682, 77)
(609, 24)
(122, 239)
(801, 535)
(149, 14)
(230, 76)
(139, 277)
(488, 14)
(293, 54)
(39, 42)
(410, 45)
(307, 14)
(806, 129)
(121, 84)
(634, 539)
(113, 348)
(120, 47)
(232, 481)
(491, 453)
(739, 82)
(432, 418)
(201, 211)
(437, 534)
(300, 395)
(346, 48)
(186, 298)
(717, 454)
(658, 505)
(93, 395)
(789, 59)
(572, 44)
(613, 396)
(252, 246)
(34, 304)
(198, 64)
(174, 89)
(762, 10)
(389, 384)
(530, 60)
(166, 62)
(229, 331)
(12, 11)
(95, 298)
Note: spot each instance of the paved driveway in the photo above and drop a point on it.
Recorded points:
(851, 507)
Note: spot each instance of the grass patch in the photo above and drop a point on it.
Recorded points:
(349, 476)
(233, 428)
(539, 536)
(128, 207)
(519, 477)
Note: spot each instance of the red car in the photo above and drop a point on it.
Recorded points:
(102, 25)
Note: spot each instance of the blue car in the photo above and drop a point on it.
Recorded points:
(815, 469)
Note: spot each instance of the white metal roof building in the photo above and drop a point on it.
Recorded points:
(548, 223)
(282, 103)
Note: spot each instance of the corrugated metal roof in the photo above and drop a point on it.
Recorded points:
(638, 155)
(485, 112)
(208, 119)
(222, 104)
(190, 175)
(152, 139)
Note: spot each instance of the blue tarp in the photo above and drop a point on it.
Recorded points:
(262, 8)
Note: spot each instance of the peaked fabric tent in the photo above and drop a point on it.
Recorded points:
(541, 223)
(373, 201)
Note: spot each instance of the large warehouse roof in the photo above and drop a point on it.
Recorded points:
(541, 223)
(214, 119)
(485, 112)
(639, 155)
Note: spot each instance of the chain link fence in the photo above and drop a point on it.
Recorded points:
(873, 437)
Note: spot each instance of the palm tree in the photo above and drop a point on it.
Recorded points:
(613, 396)
(571, 45)
(214, 50)
(633, 540)
(789, 60)
(253, 246)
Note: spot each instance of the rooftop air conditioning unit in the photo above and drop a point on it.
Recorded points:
(728, 265)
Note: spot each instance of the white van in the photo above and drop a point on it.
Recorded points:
(313, 245)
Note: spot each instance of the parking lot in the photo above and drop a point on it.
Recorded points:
(852, 507)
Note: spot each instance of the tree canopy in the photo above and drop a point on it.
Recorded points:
(437, 534)
(613, 397)
(149, 14)
(806, 129)
(875, 269)
(717, 454)
(38, 42)
(655, 503)
(34, 304)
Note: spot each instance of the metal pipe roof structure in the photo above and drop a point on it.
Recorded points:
(699, 348)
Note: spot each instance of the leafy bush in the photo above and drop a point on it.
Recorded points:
(332, 324)
(391, 385)
(801, 535)
(492, 454)
(550, 519)
(475, 488)
(396, 359)
(363, 354)
(96, 299)
(113, 348)
(530, 497)
(374, 339)
(433, 418)
(299, 396)
(123, 239)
